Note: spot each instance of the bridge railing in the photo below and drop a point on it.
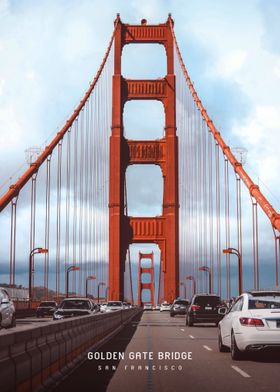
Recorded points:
(36, 357)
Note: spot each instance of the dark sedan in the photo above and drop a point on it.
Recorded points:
(46, 308)
(73, 307)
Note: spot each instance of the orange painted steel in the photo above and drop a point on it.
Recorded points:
(27, 175)
(146, 270)
(161, 230)
(237, 166)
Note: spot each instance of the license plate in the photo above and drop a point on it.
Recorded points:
(208, 308)
(278, 323)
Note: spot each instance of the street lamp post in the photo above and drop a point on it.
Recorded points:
(190, 277)
(185, 291)
(92, 277)
(31, 269)
(238, 254)
(71, 268)
(98, 289)
(207, 269)
(106, 292)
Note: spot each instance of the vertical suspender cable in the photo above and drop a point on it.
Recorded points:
(277, 253)
(58, 217)
(81, 199)
(75, 212)
(47, 226)
(13, 240)
(255, 242)
(210, 192)
(68, 203)
(33, 219)
(218, 212)
(227, 226)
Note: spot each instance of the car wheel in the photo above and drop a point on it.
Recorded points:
(189, 321)
(222, 347)
(234, 350)
(171, 315)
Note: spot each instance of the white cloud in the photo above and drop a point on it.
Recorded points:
(260, 133)
(230, 63)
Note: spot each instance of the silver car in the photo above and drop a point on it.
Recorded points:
(7, 310)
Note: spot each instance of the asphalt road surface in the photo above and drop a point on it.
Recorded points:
(201, 366)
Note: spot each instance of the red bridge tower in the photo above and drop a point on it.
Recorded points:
(146, 270)
(161, 230)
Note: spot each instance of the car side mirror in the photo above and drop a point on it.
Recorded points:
(5, 301)
(222, 310)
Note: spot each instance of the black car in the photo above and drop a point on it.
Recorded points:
(73, 307)
(179, 306)
(204, 309)
(46, 308)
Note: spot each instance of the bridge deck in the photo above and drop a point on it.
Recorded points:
(156, 332)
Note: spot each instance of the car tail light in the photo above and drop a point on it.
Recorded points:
(251, 322)
(195, 307)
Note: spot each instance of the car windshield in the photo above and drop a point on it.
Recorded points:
(181, 302)
(75, 304)
(207, 300)
(265, 302)
(116, 303)
(164, 304)
(47, 304)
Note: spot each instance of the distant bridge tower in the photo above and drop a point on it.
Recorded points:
(161, 230)
(146, 270)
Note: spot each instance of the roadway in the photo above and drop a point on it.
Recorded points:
(155, 332)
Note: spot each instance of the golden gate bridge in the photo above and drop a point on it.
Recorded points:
(72, 199)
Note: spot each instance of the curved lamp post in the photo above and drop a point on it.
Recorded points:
(92, 277)
(106, 292)
(31, 269)
(71, 268)
(98, 289)
(185, 290)
(238, 254)
(190, 277)
(207, 269)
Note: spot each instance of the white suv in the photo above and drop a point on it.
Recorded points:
(7, 310)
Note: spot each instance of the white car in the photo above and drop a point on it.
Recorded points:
(114, 305)
(165, 307)
(251, 324)
(148, 306)
(103, 307)
(7, 310)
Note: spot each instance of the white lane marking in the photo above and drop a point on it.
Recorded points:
(240, 371)
(192, 337)
(182, 329)
(207, 348)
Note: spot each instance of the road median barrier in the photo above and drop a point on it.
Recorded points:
(34, 359)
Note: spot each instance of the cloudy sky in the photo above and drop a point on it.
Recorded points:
(50, 51)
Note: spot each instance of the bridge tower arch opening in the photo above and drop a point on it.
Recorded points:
(161, 230)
